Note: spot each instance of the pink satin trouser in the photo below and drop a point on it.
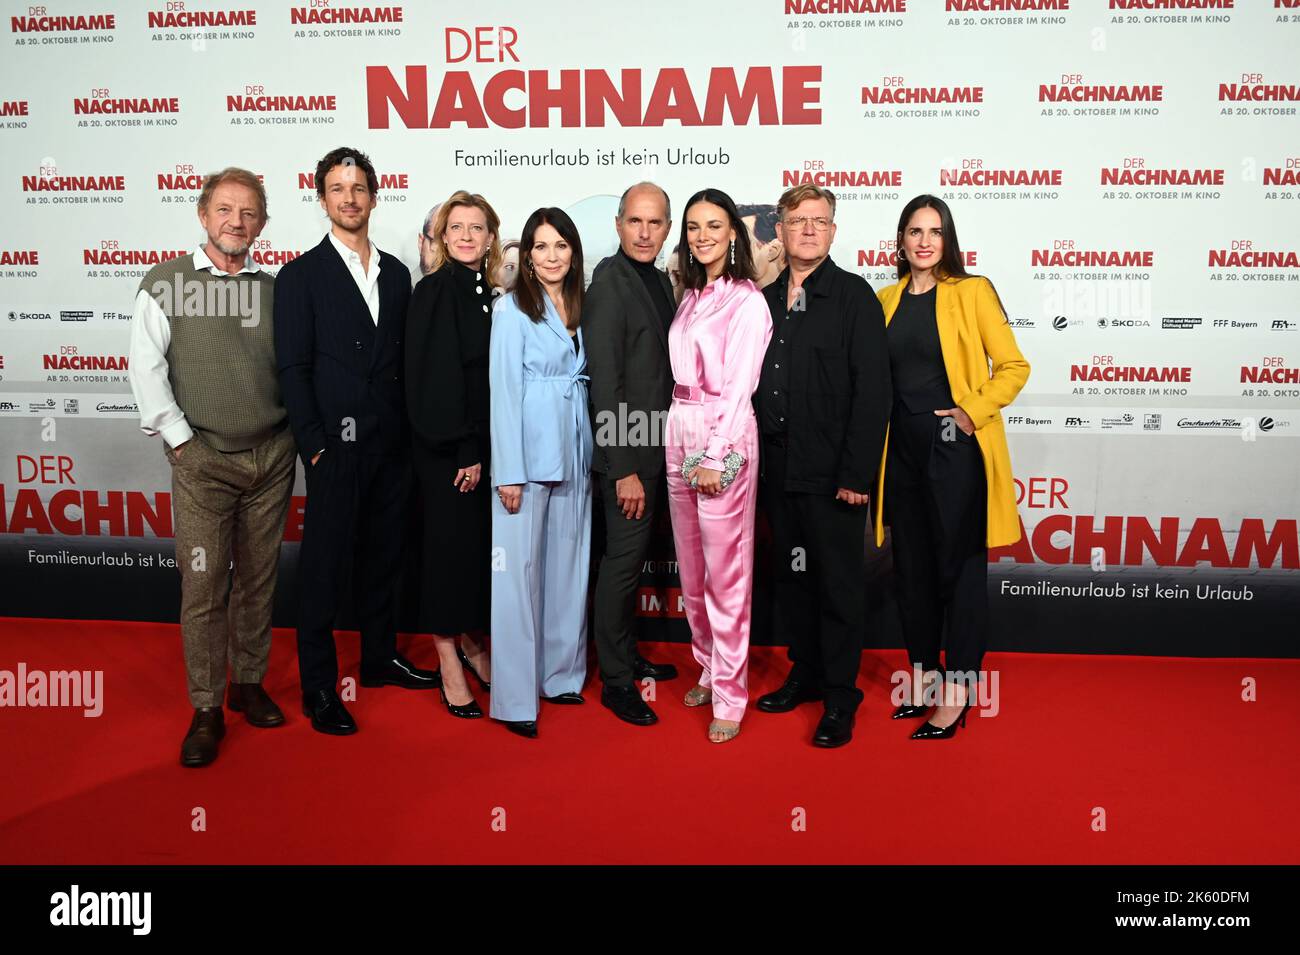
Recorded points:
(714, 537)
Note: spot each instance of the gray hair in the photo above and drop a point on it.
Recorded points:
(622, 202)
(428, 220)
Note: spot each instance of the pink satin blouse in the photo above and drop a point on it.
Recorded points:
(716, 343)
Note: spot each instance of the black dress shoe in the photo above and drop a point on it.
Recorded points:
(527, 728)
(251, 700)
(835, 728)
(466, 711)
(328, 714)
(206, 730)
(568, 699)
(627, 705)
(643, 669)
(909, 711)
(791, 694)
(928, 730)
(399, 671)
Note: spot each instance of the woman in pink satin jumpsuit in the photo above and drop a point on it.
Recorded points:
(716, 346)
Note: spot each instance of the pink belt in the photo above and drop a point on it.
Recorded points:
(693, 394)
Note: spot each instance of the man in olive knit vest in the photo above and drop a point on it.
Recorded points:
(202, 367)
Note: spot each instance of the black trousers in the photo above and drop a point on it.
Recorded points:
(357, 508)
(818, 581)
(626, 544)
(936, 504)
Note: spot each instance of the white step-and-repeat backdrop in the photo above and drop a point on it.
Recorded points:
(1124, 170)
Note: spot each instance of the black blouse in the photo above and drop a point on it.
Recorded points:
(448, 328)
(915, 356)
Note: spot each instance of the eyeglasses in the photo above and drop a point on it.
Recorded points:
(820, 223)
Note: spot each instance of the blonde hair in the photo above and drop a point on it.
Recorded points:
(795, 195)
(238, 176)
(462, 198)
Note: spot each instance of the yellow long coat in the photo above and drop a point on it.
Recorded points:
(973, 333)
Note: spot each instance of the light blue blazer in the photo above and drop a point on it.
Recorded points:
(541, 424)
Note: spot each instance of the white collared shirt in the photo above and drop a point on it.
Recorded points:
(367, 279)
(151, 334)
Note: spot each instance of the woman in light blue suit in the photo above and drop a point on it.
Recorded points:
(541, 469)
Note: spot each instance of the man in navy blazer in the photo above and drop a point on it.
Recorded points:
(340, 311)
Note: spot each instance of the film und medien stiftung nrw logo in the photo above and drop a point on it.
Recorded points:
(76, 908)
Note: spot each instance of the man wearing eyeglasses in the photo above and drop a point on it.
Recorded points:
(823, 402)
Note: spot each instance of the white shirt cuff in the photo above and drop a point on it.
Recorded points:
(177, 433)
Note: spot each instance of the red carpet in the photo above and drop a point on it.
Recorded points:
(1186, 771)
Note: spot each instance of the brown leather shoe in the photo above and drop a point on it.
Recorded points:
(206, 730)
(251, 700)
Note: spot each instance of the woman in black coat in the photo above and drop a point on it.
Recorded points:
(447, 332)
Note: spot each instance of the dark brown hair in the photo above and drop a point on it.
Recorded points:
(693, 274)
(950, 264)
(345, 156)
(528, 291)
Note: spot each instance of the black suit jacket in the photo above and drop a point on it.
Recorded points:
(340, 374)
(627, 358)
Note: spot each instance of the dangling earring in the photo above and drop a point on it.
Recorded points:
(690, 257)
(733, 251)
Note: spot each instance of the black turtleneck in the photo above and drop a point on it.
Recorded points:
(650, 278)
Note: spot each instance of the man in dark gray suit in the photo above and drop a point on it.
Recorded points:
(625, 319)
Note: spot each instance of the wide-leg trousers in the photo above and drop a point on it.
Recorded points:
(540, 568)
(936, 501)
(714, 538)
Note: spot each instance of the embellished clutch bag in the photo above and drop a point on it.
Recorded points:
(731, 466)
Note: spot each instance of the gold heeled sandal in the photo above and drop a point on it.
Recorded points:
(698, 696)
(728, 733)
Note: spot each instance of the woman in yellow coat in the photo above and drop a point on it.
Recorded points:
(945, 486)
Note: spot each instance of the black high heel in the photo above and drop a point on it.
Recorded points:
(464, 662)
(929, 731)
(909, 711)
(466, 711)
